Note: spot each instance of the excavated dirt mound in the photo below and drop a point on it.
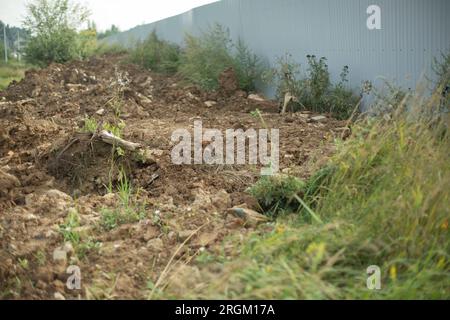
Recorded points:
(51, 169)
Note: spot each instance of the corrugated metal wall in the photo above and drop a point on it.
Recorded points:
(413, 32)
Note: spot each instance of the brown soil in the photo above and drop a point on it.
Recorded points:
(48, 169)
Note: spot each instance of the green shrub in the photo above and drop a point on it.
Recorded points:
(156, 54)
(106, 48)
(318, 81)
(388, 98)
(275, 193)
(343, 101)
(248, 66)
(313, 90)
(107, 33)
(207, 56)
(129, 209)
(53, 26)
(286, 77)
(61, 47)
(442, 69)
(86, 43)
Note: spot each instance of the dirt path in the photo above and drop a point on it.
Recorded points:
(48, 176)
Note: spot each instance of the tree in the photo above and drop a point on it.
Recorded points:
(53, 27)
(112, 31)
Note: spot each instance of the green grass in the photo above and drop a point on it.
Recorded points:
(70, 234)
(383, 200)
(206, 56)
(13, 70)
(129, 209)
(275, 193)
(156, 54)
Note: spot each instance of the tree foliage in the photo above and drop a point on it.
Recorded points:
(53, 26)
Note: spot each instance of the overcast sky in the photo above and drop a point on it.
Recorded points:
(123, 13)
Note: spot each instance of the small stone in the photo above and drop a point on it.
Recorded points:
(68, 248)
(56, 194)
(304, 115)
(41, 285)
(59, 296)
(318, 119)
(221, 200)
(251, 217)
(256, 97)
(289, 156)
(30, 217)
(59, 285)
(100, 112)
(183, 235)
(155, 244)
(59, 255)
(150, 233)
(172, 237)
(210, 104)
(50, 233)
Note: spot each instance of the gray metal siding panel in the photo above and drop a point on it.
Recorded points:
(413, 32)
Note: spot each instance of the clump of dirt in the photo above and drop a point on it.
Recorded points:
(228, 81)
(54, 176)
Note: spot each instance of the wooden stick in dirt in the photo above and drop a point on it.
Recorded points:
(109, 138)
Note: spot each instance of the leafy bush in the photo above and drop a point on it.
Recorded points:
(442, 70)
(275, 193)
(313, 90)
(207, 56)
(343, 101)
(106, 48)
(110, 32)
(53, 25)
(285, 76)
(248, 66)
(156, 54)
(129, 208)
(86, 43)
(388, 98)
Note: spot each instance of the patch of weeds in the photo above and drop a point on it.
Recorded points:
(128, 211)
(13, 70)
(275, 193)
(257, 114)
(206, 257)
(115, 129)
(313, 89)
(205, 57)
(118, 86)
(86, 246)
(23, 263)
(40, 257)
(90, 125)
(156, 54)
(314, 186)
(249, 67)
(285, 76)
(67, 229)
